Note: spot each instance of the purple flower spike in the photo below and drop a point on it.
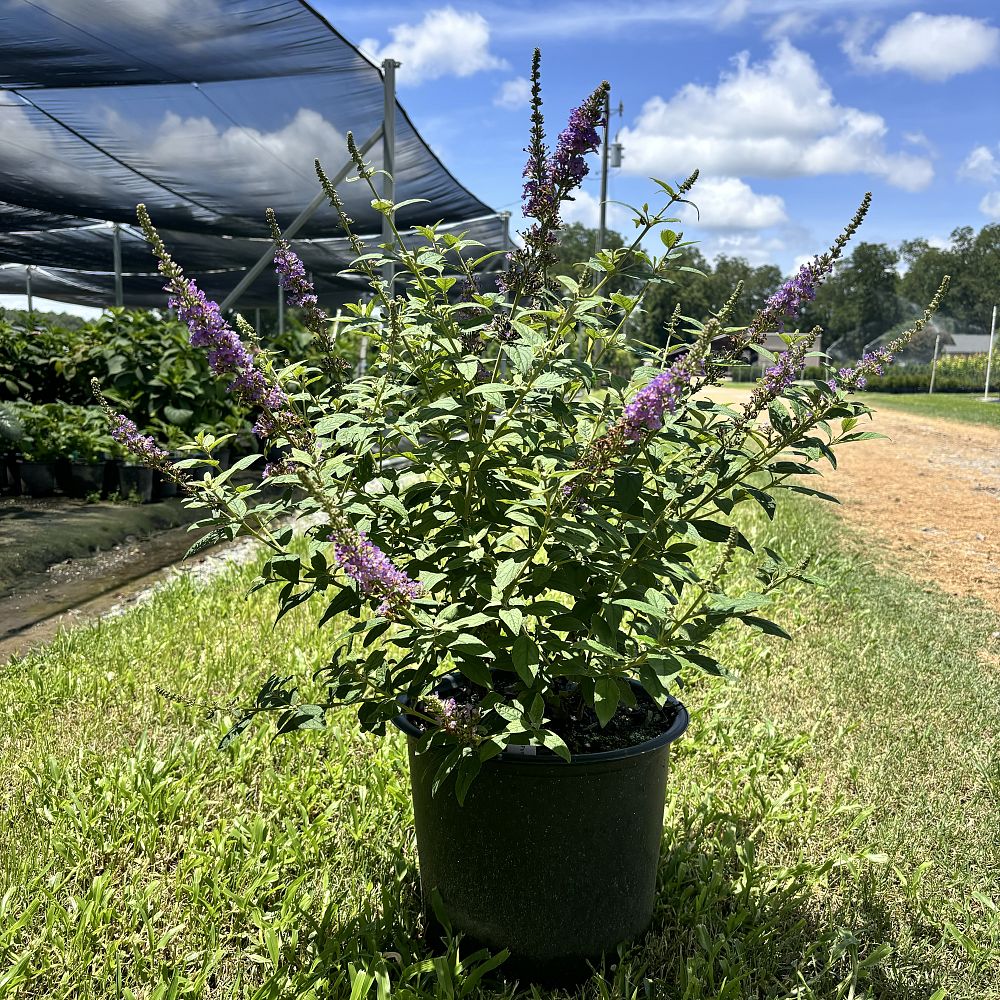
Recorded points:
(645, 411)
(126, 433)
(227, 354)
(568, 165)
(373, 571)
(292, 278)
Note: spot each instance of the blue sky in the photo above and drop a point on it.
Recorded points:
(791, 109)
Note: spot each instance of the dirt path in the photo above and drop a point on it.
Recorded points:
(931, 494)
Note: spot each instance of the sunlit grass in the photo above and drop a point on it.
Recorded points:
(967, 408)
(831, 821)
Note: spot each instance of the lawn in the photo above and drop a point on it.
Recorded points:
(831, 822)
(946, 405)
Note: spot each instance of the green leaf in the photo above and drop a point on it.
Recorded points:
(213, 537)
(606, 695)
(507, 572)
(467, 771)
(524, 656)
(301, 717)
(177, 415)
(513, 618)
(628, 486)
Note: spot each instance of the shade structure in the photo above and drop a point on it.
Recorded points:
(208, 111)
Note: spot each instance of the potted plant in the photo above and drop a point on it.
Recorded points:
(528, 549)
(11, 435)
(40, 448)
(86, 446)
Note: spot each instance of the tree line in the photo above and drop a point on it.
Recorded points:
(873, 291)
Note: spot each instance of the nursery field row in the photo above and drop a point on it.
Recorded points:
(814, 842)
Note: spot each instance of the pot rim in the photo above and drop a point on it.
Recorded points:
(676, 729)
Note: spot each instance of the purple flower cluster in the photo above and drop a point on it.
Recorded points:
(870, 365)
(568, 166)
(228, 355)
(645, 410)
(779, 376)
(127, 434)
(549, 180)
(643, 414)
(786, 302)
(292, 278)
(460, 721)
(789, 298)
(373, 571)
(282, 467)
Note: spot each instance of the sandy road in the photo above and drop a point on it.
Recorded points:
(931, 494)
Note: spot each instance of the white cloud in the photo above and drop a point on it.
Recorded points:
(778, 118)
(990, 205)
(514, 94)
(445, 43)
(586, 208)
(756, 249)
(980, 165)
(733, 12)
(729, 203)
(244, 159)
(930, 46)
(789, 24)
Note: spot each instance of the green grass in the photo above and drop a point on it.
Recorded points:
(831, 822)
(947, 405)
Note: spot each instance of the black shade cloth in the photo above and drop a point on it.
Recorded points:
(206, 110)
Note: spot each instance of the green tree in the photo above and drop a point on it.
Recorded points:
(687, 288)
(758, 284)
(860, 302)
(577, 242)
(973, 261)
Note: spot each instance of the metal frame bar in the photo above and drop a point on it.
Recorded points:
(297, 223)
(116, 243)
(388, 160)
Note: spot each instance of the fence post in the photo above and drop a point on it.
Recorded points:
(989, 356)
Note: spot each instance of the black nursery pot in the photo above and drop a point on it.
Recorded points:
(135, 480)
(554, 861)
(85, 479)
(38, 479)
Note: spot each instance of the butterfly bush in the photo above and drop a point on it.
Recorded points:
(493, 498)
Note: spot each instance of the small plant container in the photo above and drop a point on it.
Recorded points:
(38, 479)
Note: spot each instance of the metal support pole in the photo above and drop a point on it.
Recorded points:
(297, 223)
(27, 290)
(989, 356)
(256, 320)
(388, 160)
(281, 311)
(603, 223)
(505, 244)
(116, 242)
(937, 344)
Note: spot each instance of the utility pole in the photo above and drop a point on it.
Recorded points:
(602, 225)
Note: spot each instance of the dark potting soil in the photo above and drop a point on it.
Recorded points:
(578, 724)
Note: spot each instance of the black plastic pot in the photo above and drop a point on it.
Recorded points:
(163, 488)
(85, 479)
(554, 861)
(135, 481)
(38, 479)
